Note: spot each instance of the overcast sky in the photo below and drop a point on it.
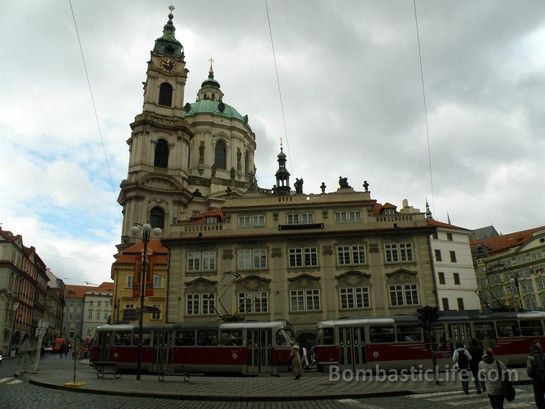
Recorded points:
(350, 79)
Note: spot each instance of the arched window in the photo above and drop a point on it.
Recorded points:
(161, 154)
(157, 217)
(165, 94)
(220, 155)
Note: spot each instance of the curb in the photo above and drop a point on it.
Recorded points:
(224, 398)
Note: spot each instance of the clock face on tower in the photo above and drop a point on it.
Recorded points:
(168, 64)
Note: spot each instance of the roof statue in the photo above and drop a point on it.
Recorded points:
(298, 186)
(343, 182)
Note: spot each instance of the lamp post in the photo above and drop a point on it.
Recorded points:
(145, 230)
(14, 307)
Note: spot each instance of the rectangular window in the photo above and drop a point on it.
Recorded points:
(348, 216)
(460, 304)
(98, 315)
(300, 218)
(303, 257)
(201, 260)
(435, 236)
(378, 334)
(304, 300)
(449, 236)
(184, 338)
(249, 259)
(398, 252)
(351, 254)
(453, 256)
(257, 220)
(192, 304)
(438, 256)
(253, 302)
(129, 281)
(408, 333)
(156, 315)
(445, 304)
(207, 337)
(441, 277)
(403, 294)
(208, 304)
(157, 281)
(456, 278)
(90, 315)
(354, 298)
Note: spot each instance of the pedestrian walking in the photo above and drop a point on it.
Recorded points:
(296, 364)
(42, 352)
(462, 358)
(490, 371)
(305, 358)
(535, 368)
(476, 353)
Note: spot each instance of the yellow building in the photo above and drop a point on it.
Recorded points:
(126, 273)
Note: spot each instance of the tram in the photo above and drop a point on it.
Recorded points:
(399, 342)
(247, 348)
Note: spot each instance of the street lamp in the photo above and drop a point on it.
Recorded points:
(14, 307)
(145, 230)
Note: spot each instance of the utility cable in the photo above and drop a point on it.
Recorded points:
(278, 83)
(425, 102)
(92, 98)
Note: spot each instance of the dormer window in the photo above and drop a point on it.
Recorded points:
(212, 220)
(165, 94)
(388, 212)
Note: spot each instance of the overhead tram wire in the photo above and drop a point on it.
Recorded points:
(92, 99)
(425, 102)
(278, 83)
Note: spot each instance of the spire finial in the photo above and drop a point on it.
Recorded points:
(211, 70)
(428, 211)
(170, 15)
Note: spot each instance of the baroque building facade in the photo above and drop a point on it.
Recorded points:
(23, 291)
(511, 269)
(237, 251)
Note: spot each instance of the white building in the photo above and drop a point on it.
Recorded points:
(97, 309)
(455, 278)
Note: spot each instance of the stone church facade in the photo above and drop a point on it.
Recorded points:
(237, 251)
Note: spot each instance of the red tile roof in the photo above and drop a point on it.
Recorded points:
(78, 291)
(130, 254)
(436, 223)
(506, 241)
(201, 218)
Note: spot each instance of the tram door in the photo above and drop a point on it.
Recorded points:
(259, 343)
(352, 347)
(161, 349)
(459, 332)
(104, 344)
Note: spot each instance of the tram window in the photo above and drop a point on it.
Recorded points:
(146, 339)
(508, 328)
(440, 337)
(207, 337)
(484, 330)
(231, 337)
(185, 338)
(281, 338)
(409, 333)
(381, 334)
(530, 328)
(122, 338)
(325, 336)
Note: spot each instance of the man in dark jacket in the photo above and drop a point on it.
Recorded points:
(476, 353)
(535, 367)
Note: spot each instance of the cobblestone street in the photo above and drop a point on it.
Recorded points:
(17, 393)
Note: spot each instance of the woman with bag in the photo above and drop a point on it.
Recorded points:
(535, 368)
(492, 372)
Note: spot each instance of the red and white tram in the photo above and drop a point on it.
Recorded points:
(398, 342)
(237, 347)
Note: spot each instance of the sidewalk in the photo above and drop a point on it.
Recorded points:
(56, 372)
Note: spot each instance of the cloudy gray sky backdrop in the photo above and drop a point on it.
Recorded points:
(350, 79)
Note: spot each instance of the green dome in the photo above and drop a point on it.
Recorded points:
(207, 106)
